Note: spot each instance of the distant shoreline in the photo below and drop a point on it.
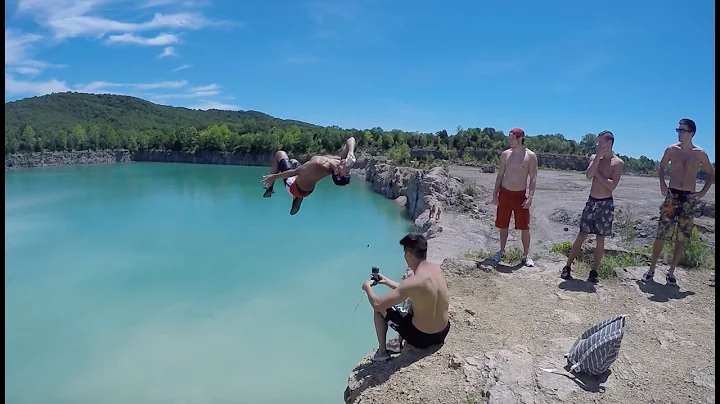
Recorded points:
(559, 162)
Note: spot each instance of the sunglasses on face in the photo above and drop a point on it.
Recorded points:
(681, 130)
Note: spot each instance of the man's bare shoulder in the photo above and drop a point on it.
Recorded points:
(530, 152)
(506, 152)
(616, 160)
(698, 149)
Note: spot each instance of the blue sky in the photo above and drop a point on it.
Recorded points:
(571, 67)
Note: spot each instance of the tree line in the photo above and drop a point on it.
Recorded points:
(75, 121)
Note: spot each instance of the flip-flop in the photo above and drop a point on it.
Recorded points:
(381, 357)
(393, 349)
(296, 205)
(268, 192)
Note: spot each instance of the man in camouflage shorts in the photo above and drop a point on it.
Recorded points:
(685, 159)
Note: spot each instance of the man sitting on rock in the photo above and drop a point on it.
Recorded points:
(300, 180)
(428, 323)
(604, 170)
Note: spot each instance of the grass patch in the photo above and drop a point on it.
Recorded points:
(512, 256)
(696, 254)
(584, 262)
(562, 248)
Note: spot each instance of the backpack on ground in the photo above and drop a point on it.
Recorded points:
(598, 347)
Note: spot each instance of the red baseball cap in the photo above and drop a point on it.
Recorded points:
(517, 132)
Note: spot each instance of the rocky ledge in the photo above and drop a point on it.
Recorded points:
(416, 190)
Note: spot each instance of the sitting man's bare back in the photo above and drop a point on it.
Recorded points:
(428, 323)
(300, 180)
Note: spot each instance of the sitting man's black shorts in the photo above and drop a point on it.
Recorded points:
(400, 320)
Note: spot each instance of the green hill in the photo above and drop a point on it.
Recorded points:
(64, 110)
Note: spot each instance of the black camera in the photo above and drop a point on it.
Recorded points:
(375, 275)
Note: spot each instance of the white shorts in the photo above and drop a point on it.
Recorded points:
(289, 181)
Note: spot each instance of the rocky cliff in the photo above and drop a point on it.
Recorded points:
(413, 188)
(50, 159)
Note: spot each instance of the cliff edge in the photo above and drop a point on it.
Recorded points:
(510, 321)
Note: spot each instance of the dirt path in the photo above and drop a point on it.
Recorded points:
(510, 322)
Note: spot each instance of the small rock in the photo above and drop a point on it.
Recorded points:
(470, 312)
(455, 361)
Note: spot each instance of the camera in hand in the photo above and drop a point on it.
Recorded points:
(375, 275)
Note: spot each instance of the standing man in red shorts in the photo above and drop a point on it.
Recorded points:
(512, 194)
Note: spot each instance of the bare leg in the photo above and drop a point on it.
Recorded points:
(279, 155)
(677, 255)
(599, 251)
(503, 238)
(525, 238)
(381, 328)
(657, 249)
(576, 247)
(348, 148)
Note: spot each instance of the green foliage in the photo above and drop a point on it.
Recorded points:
(78, 121)
(696, 254)
(609, 262)
(470, 190)
(562, 248)
(400, 154)
(512, 256)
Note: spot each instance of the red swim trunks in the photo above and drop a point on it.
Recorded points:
(509, 203)
(294, 190)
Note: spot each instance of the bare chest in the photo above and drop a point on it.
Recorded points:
(517, 161)
(605, 168)
(686, 159)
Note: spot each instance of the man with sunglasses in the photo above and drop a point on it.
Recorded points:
(680, 203)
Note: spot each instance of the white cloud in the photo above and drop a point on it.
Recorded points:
(194, 92)
(72, 18)
(161, 85)
(18, 46)
(30, 71)
(99, 20)
(210, 87)
(18, 50)
(161, 3)
(168, 51)
(205, 105)
(177, 69)
(96, 87)
(110, 87)
(159, 40)
(13, 86)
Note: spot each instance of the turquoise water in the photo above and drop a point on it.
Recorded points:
(172, 283)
